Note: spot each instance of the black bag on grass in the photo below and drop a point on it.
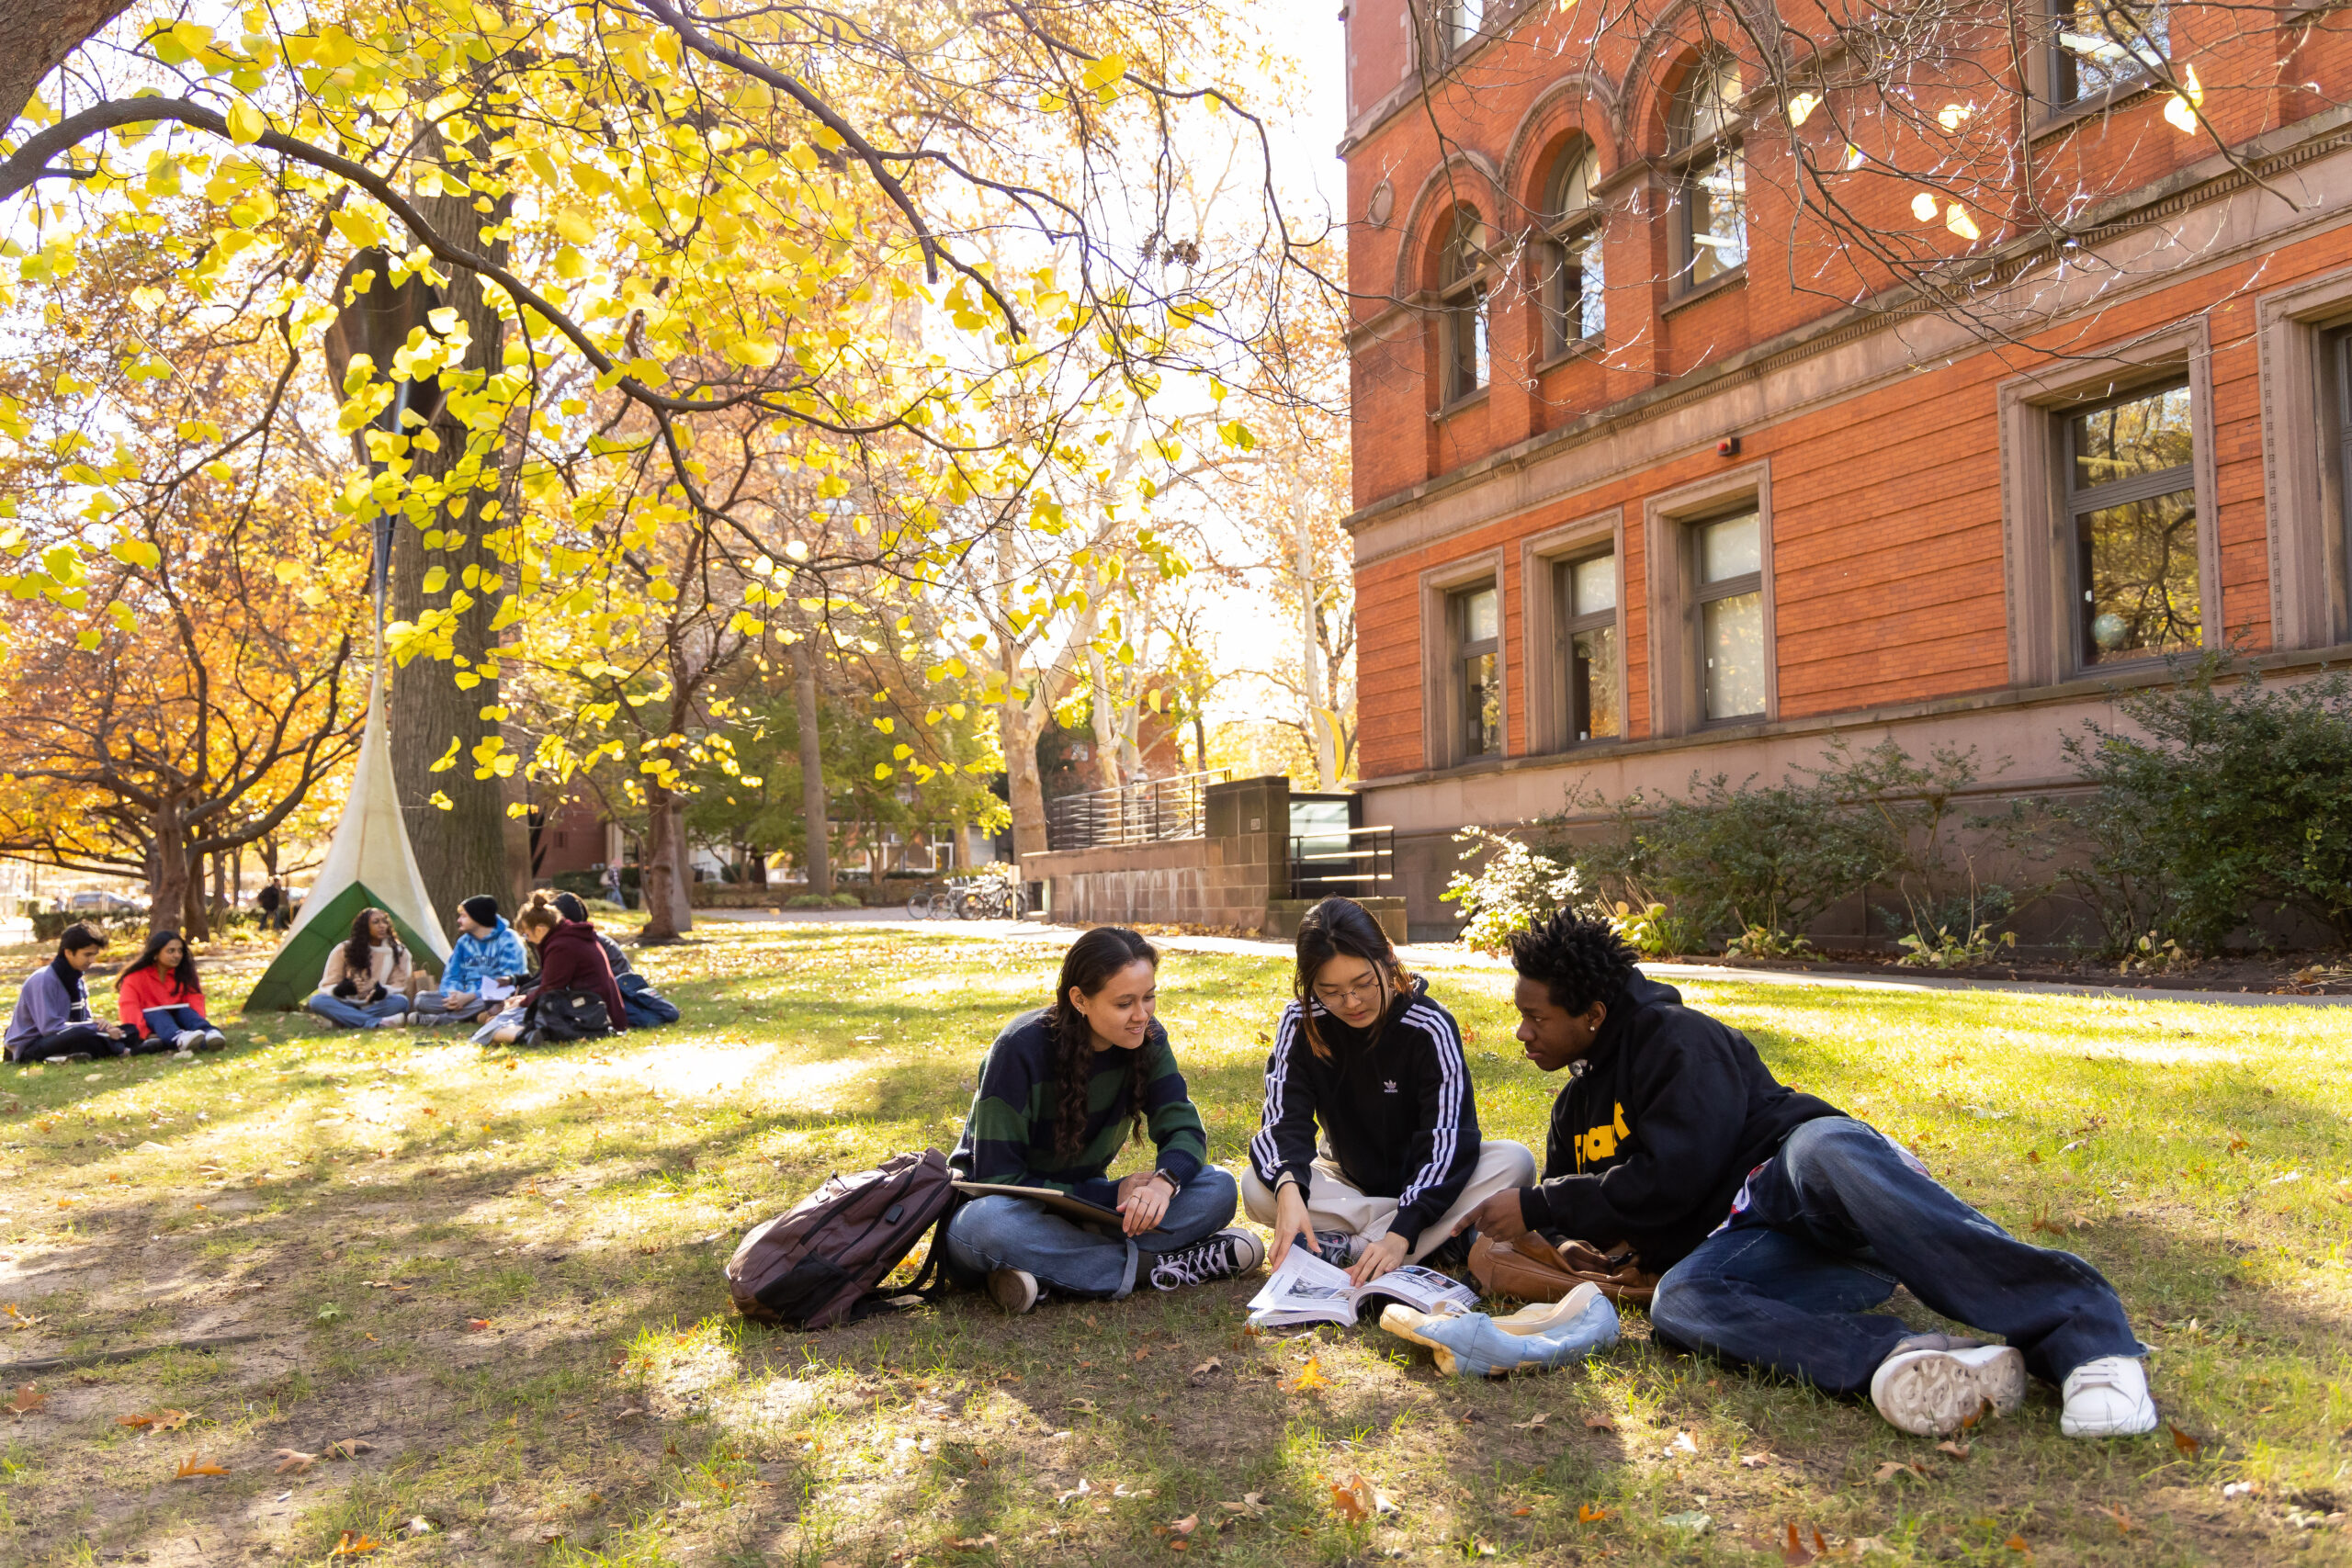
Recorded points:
(558, 1016)
(818, 1263)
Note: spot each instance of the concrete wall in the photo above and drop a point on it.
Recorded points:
(1226, 878)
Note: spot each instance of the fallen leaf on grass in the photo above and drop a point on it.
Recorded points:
(1360, 1500)
(1957, 1451)
(192, 1466)
(354, 1544)
(28, 1399)
(1983, 1409)
(1682, 1444)
(970, 1542)
(172, 1420)
(1310, 1377)
(1599, 1424)
(1252, 1503)
(2017, 1543)
(2122, 1517)
(476, 1325)
(1205, 1370)
(1894, 1467)
(1186, 1525)
(1794, 1550)
(2183, 1441)
(1083, 1489)
(1534, 1423)
(293, 1461)
(1521, 1511)
(350, 1448)
(1592, 1514)
(1756, 1461)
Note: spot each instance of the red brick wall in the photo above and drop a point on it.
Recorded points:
(1887, 507)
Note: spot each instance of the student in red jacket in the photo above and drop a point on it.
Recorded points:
(162, 1001)
(570, 959)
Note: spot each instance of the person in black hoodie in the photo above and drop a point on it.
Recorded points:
(1777, 1222)
(1365, 1055)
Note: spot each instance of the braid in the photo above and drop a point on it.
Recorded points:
(1074, 1069)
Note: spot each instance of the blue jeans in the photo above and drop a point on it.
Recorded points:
(163, 1023)
(1827, 1227)
(354, 1015)
(989, 1234)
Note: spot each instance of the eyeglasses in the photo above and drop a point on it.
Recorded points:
(1369, 988)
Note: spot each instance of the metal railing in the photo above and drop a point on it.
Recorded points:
(1360, 862)
(1145, 812)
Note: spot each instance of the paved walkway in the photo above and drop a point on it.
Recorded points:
(1428, 955)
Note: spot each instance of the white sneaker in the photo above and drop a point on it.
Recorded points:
(188, 1039)
(1014, 1289)
(1929, 1393)
(2108, 1398)
(214, 1040)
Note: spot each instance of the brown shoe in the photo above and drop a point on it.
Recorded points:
(1531, 1270)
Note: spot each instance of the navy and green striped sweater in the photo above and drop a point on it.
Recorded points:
(1009, 1136)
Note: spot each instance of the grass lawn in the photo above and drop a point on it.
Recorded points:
(501, 1272)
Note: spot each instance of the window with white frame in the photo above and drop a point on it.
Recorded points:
(1457, 25)
(1727, 576)
(2131, 503)
(1479, 675)
(2336, 355)
(1567, 258)
(2098, 45)
(1710, 174)
(1461, 304)
(1588, 653)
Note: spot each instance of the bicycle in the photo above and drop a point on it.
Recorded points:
(992, 896)
(930, 902)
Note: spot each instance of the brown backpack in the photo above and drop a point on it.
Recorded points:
(818, 1263)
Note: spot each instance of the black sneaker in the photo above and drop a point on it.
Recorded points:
(1337, 1247)
(1451, 1254)
(1224, 1256)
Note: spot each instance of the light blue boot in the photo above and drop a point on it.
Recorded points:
(1471, 1344)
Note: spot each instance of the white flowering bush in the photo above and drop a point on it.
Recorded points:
(1516, 887)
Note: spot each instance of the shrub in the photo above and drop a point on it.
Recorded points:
(1727, 859)
(2232, 799)
(1516, 887)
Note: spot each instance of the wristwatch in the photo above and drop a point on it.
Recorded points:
(1174, 1186)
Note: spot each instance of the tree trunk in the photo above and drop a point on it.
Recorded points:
(668, 911)
(817, 852)
(462, 851)
(1310, 644)
(167, 889)
(1017, 731)
(35, 39)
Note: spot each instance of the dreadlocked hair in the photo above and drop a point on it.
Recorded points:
(1092, 962)
(1577, 959)
(1342, 928)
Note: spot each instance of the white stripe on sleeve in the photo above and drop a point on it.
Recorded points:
(1265, 1154)
(1452, 1074)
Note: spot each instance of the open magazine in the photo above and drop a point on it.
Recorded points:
(1305, 1289)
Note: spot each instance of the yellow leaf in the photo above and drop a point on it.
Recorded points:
(881, 770)
(2180, 109)
(1923, 206)
(1801, 107)
(439, 800)
(1310, 1377)
(1957, 219)
(575, 225)
(85, 641)
(246, 123)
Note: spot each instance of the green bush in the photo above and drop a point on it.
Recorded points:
(2224, 801)
(1726, 859)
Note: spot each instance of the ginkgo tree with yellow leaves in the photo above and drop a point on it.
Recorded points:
(678, 257)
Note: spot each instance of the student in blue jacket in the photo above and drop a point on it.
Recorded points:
(487, 949)
(54, 1016)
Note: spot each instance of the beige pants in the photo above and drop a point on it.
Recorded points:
(1334, 1204)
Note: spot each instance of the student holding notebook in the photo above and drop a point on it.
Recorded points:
(1366, 1056)
(1060, 1093)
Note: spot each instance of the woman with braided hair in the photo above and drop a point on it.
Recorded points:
(1060, 1092)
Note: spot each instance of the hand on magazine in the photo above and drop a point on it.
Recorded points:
(1378, 1258)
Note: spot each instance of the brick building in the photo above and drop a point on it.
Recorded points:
(1658, 470)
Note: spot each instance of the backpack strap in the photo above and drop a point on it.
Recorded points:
(928, 1286)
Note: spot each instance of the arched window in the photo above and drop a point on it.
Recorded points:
(1710, 175)
(1567, 258)
(1461, 303)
